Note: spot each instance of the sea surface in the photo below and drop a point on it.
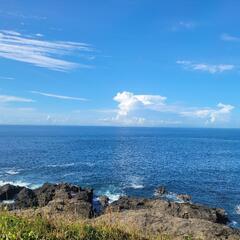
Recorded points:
(204, 163)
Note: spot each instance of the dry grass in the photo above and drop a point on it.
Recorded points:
(30, 226)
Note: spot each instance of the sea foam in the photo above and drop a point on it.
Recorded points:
(12, 172)
(20, 183)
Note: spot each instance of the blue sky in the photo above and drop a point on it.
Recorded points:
(120, 63)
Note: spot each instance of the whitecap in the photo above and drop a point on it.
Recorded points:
(135, 182)
(112, 193)
(12, 172)
(60, 165)
(20, 183)
(136, 186)
(112, 196)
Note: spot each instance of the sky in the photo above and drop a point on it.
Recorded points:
(120, 63)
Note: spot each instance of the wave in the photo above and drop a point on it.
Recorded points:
(12, 172)
(112, 196)
(60, 165)
(112, 192)
(136, 186)
(136, 182)
(20, 183)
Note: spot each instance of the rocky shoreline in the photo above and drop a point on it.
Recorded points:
(157, 215)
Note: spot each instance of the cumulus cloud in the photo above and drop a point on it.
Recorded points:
(211, 115)
(41, 53)
(129, 102)
(206, 67)
(59, 96)
(7, 99)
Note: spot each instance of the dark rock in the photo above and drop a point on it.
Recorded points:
(127, 203)
(104, 201)
(9, 192)
(184, 197)
(154, 221)
(80, 208)
(161, 190)
(45, 193)
(66, 198)
(180, 210)
(85, 195)
(26, 198)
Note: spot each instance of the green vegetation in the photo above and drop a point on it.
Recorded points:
(14, 227)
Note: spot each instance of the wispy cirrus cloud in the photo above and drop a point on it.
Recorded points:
(229, 38)
(62, 97)
(203, 67)
(39, 52)
(8, 98)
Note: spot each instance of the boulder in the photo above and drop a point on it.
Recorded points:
(66, 198)
(45, 193)
(26, 198)
(127, 203)
(9, 192)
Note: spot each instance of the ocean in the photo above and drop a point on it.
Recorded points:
(204, 163)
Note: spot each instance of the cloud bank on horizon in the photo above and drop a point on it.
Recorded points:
(180, 68)
(129, 103)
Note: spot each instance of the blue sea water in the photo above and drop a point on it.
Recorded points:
(204, 163)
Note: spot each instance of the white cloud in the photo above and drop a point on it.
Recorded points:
(41, 53)
(7, 98)
(59, 96)
(129, 102)
(206, 67)
(211, 115)
(229, 38)
(130, 105)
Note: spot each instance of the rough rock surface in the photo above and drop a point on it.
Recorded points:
(9, 192)
(174, 209)
(171, 218)
(154, 215)
(156, 222)
(26, 198)
(53, 197)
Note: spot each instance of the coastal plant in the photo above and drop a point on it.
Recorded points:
(24, 226)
